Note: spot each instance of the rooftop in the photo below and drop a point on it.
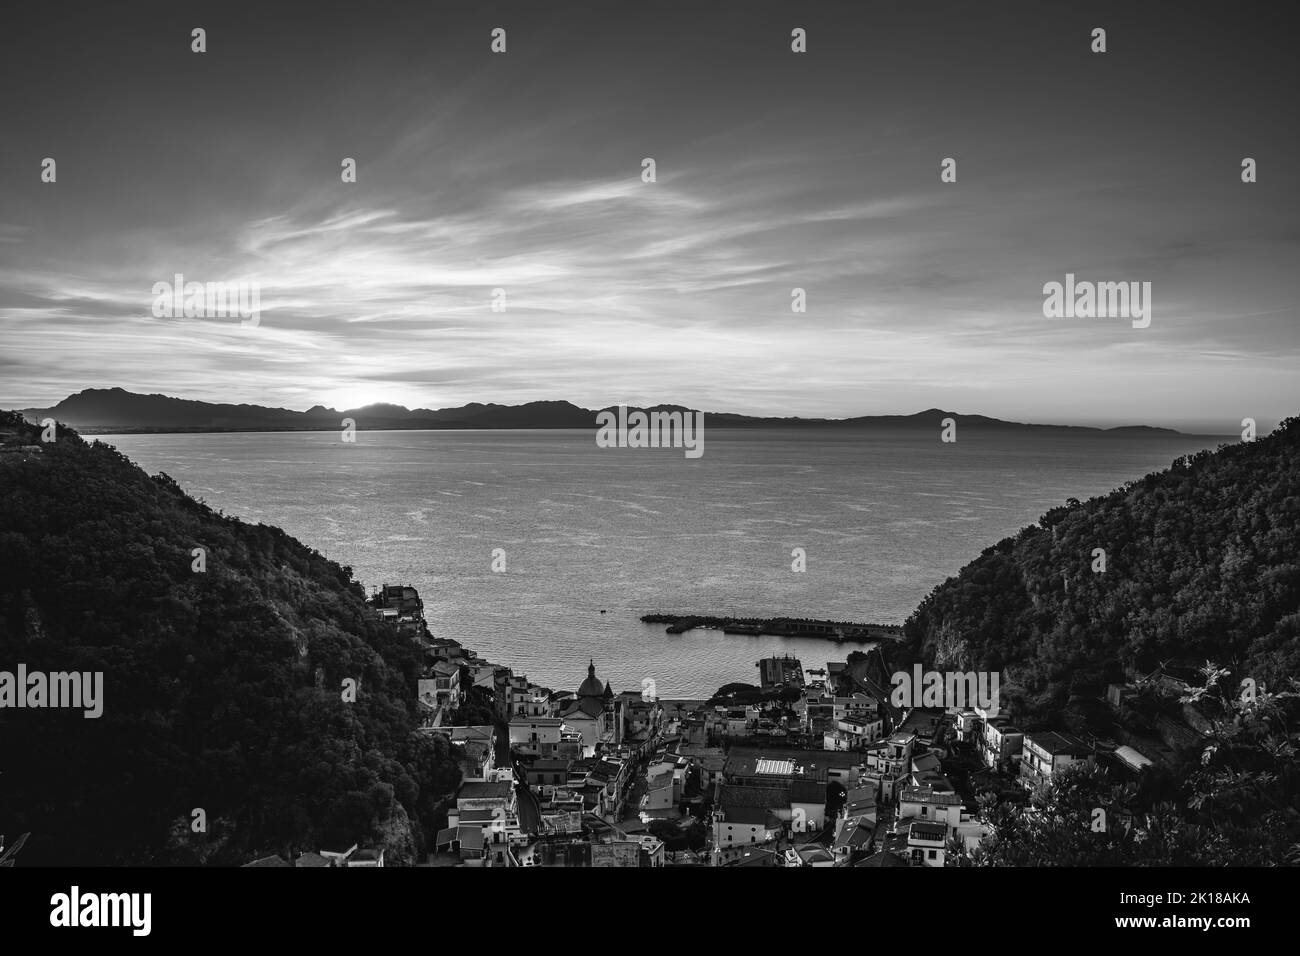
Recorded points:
(751, 816)
(928, 795)
(924, 830)
(754, 858)
(855, 834)
(484, 790)
(777, 762)
(549, 764)
(807, 791)
(1132, 758)
(1056, 743)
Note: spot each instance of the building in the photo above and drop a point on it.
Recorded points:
(711, 761)
(888, 764)
(486, 795)
(594, 713)
(367, 857)
(925, 843)
(930, 805)
(400, 605)
(658, 799)
(484, 824)
(539, 736)
(548, 772)
(440, 686)
(472, 746)
(807, 806)
(643, 850)
(1132, 759)
(616, 853)
(779, 767)
(338, 856)
(733, 826)
(641, 716)
(740, 856)
(853, 839)
(536, 702)
(483, 674)
(1045, 753)
(780, 672)
(860, 802)
(999, 743)
(812, 854)
(966, 726)
(852, 732)
(652, 850)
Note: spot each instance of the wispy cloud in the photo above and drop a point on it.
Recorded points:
(525, 175)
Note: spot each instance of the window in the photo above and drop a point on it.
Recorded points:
(930, 854)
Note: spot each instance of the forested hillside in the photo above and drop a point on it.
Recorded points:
(1201, 562)
(222, 687)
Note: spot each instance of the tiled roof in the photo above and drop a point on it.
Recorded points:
(807, 791)
(484, 790)
(586, 705)
(924, 830)
(765, 798)
(549, 764)
(1057, 743)
(883, 858)
(750, 816)
(755, 858)
(854, 835)
(471, 837)
(929, 795)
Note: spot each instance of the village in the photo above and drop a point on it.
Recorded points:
(816, 767)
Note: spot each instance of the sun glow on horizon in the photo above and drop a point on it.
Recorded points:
(356, 397)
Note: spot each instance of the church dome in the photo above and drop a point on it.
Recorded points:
(591, 687)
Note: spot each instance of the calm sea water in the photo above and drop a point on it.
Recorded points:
(883, 519)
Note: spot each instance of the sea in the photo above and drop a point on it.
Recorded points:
(541, 551)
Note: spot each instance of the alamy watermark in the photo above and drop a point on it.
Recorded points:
(1098, 300)
(72, 689)
(651, 430)
(951, 690)
(76, 909)
(215, 300)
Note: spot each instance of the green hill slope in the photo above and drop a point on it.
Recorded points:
(1202, 562)
(222, 688)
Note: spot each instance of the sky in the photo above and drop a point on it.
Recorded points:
(774, 170)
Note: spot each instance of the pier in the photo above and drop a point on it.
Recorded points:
(838, 631)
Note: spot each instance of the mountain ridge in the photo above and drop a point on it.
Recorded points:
(115, 410)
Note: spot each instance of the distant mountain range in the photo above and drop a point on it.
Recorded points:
(115, 410)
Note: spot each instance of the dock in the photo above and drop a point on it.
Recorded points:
(838, 631)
